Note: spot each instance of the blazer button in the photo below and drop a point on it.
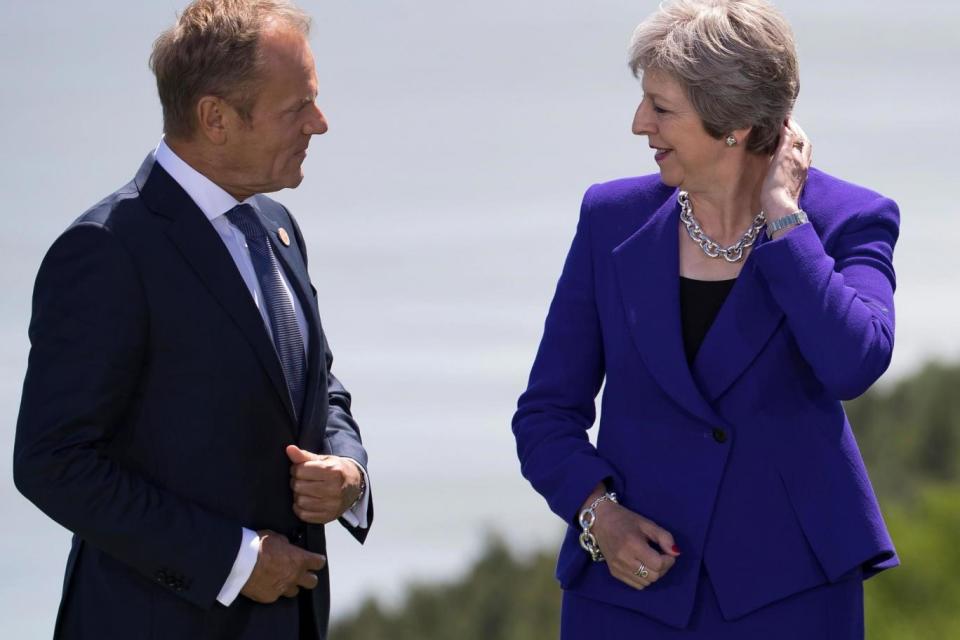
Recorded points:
(720, 435)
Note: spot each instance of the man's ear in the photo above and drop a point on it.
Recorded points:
(214, 117)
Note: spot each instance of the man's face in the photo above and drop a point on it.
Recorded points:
(267, 153)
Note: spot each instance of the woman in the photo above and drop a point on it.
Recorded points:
(729, 305)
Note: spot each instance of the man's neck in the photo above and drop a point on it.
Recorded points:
(201, 160)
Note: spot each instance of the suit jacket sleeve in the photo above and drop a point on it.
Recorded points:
(88, 338)
(557, 408)
(342, 438)
(342, 434)
(839, 306)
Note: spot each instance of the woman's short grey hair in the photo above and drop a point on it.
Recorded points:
(735, 58)
(213, 50)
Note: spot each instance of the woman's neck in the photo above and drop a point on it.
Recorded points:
(726, 209)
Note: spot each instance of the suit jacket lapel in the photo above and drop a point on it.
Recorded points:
(296, 270)
(647, 266)
(198, 242)
(743, 326)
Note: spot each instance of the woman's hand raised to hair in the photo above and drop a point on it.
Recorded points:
(787, 173)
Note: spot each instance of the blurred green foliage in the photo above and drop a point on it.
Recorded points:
(919, 600)
(909, 435)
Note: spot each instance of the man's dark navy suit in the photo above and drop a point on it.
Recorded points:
(155, 415)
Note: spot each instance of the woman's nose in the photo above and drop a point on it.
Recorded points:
(643, 122)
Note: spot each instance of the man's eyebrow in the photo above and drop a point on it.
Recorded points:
(302, 102)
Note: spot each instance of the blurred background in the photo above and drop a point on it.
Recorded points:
(438, 210)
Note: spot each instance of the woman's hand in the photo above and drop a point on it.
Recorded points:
(787, 173)
(625, 538)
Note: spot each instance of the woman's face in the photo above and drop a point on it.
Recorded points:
(688, 156)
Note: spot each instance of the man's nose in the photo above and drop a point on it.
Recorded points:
(317, 125)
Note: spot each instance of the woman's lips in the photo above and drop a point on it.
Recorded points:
(661, 154)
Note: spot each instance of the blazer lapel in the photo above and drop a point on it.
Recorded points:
(295, 267)
(648, 274)
(743, 326)
(198, 242)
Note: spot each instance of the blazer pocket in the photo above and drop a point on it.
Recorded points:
(831, 496)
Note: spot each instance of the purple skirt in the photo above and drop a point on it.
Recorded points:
(828, 612)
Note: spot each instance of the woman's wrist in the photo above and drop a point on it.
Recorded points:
(588, 518)
(598, 491)
(781, 208)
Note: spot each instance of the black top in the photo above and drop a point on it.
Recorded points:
(700, 301)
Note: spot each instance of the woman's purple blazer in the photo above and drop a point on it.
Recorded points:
(746, 457)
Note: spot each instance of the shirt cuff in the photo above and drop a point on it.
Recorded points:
(242, 568)
(357, 515)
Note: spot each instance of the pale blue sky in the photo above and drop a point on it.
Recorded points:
(438, 210)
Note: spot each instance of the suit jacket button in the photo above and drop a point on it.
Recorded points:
(720, 435)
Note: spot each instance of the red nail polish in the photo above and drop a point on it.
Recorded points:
(675, 549)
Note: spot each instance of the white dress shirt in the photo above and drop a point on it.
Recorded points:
(214, 202)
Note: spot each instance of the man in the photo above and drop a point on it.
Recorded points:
(179, 413)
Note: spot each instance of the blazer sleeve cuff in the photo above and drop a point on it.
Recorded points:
(569, 494)
(794, 264)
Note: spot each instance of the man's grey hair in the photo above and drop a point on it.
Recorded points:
(736, 59)
(213, 50)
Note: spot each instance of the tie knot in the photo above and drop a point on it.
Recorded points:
(244, 217)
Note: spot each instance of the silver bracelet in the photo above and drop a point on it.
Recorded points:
(794, 219)
(588, 517)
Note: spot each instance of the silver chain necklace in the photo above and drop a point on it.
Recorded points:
(733, 253)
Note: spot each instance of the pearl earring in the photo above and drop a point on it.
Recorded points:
(731, 141)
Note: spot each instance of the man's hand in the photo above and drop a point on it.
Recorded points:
(324, 487)
(625, 539)
(281, 569)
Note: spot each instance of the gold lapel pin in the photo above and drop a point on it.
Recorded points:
(284, 236)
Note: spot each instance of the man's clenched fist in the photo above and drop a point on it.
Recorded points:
(324, 487)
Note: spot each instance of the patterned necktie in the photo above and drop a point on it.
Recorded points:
(283, 320)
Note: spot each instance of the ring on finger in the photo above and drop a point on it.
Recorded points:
(641, 571)
(798, 144)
